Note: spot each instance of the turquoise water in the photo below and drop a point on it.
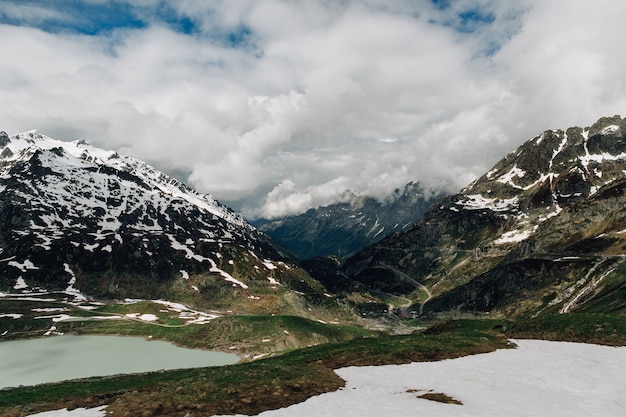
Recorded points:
(57, 358)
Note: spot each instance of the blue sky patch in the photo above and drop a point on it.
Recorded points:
(441, 4)
(471, 20)
(75, 16)
(70, 16)
(465, 21)
(97, 19)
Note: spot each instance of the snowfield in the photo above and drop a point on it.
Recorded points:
(538, 378)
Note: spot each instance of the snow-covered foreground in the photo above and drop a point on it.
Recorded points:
(539, 378)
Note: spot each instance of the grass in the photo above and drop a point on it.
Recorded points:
(281, 379)
(603, 329)
(251, 387)
(238, 334)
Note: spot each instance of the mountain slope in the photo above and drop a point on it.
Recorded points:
(92, 223)
(342, 229)
(544, 230)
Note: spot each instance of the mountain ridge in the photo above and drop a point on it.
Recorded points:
(529, 236)
(85, 222)
(539, 232)
(343, 228)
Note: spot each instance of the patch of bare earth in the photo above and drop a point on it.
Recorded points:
(439, 397)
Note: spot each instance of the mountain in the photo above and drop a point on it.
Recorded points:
(342, 229)
(543, 231)
(93, 223)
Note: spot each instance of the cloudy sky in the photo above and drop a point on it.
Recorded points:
(276, 106)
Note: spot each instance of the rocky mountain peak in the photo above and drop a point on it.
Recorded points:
(114, 225)
(551, 171)
(608, 126)
(541, 230)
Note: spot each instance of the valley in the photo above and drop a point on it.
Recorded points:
(94, 243)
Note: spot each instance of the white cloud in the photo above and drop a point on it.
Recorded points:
(563, 65)
(277, 106)
(286, 199)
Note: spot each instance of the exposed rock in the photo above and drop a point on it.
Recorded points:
(4, 138)
(543, 227)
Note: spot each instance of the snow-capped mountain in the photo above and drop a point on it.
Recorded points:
(342, 229)
(552, 171)
(541, 231)
(78, 218)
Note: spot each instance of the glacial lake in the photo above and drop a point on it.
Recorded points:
(58, 358)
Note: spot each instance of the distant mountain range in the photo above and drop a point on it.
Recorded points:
(543, 231)
(344, 228)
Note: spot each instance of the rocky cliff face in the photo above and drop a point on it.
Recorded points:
(344, 228)
(92, 223)
(544, 230)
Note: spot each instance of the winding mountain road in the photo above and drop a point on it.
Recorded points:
(412, 280)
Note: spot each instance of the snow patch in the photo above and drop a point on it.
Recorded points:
(176, 245)
(91, 247)
(555, 212)
(171, 306)
(52, 331)
(228, 277)
(70, 290)
(143, 317)
(601, 157)
(538, 378)
(185, 313)
(558, 151)
(513, 236)
(48, 309)
(225, 275)
(14, 316)
(610, 129)
(77, 412)
(273, 281)
(24, 266)
(269, 265)
(490, 173)
(20, 284)
(477, 202)
(513, 173)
